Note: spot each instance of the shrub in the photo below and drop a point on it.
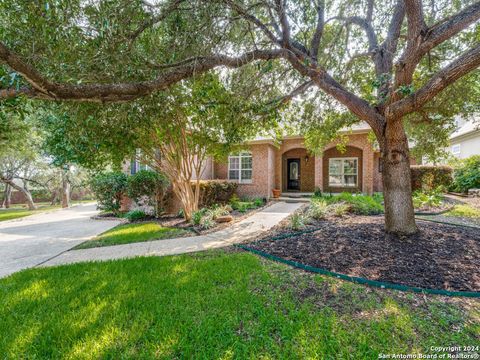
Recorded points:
(360, 204)
(258, 202)
(197, 216)
(431, 198)
(150, 185)
(298, 221)
(430, 177)
(207, 222)
(317, 192)
(109, 189)
(339, 209)
(135, 215)
(318, 209)
(218, 211)
(216, 191)
(467, 174)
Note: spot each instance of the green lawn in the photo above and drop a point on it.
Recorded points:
(217, 305)
(17, 211)
(131, 233)
(464, 211)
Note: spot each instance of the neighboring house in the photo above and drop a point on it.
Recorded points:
(465, 140)
(288, 166)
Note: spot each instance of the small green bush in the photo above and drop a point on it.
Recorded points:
(135, 215)
(207, 222)
(339, 209)
(298, 221)
(258, 202)
(318, 209)
(467, 174)
(109, 189)
(218, 211)
(197, 216)
(431, 198)
(430, 177)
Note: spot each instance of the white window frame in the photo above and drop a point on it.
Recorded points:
(138, 165)
(240, 156)
(456, 152)
(342, 173)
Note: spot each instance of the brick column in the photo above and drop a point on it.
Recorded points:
(318, 172)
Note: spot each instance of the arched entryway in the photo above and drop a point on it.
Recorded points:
(298, 171)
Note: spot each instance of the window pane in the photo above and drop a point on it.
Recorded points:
(247, 162)
(335, 167)
(350, 180)
(350, 166)
(234, 162)
(233, 174)
(335, 180)
(246, 175)
(293, 171)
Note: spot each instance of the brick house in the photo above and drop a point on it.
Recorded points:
(288, 166)
(266, 164)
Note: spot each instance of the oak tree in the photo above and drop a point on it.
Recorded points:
(117, 51)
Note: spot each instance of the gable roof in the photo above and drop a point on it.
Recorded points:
(466, 128)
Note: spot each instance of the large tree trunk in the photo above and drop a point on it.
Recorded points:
(25, 192)
(65, 190)
(7, 196)
(397, 189)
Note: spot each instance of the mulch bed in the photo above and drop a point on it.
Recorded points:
(438, 257)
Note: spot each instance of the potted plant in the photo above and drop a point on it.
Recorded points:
(276, 193)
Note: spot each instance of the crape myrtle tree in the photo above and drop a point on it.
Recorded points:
(173, 132)
(115, 51)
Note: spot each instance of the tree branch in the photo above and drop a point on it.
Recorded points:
(361, 22)
(264, 28)
(317, 35)
(156, 19)
(295, 92)
(450, 26)
(466, 63)
(283, 22)
(45, 89)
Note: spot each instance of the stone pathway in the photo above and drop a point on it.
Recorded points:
(29, 241)
(243, 230)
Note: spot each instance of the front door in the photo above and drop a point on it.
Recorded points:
(293, 174)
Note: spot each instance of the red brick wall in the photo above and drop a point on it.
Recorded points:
(377, 175)
(262, 172)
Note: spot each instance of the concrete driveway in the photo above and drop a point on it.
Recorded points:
(32, 240)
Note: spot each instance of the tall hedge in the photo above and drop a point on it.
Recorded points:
(430, 177)
(151, 185)
(215, 191)
(109, 188)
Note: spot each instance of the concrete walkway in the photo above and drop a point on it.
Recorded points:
(241, 231)
(29, 241)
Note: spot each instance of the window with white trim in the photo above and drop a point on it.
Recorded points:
(240, 167)
(343, 172)
(456, 149)
(136, 165)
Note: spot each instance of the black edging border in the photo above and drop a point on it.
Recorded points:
(354, 279)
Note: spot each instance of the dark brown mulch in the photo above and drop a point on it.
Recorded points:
(438, 257)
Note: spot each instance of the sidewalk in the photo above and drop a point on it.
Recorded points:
(241, 231)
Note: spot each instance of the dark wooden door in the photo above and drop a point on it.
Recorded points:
(293, 174)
